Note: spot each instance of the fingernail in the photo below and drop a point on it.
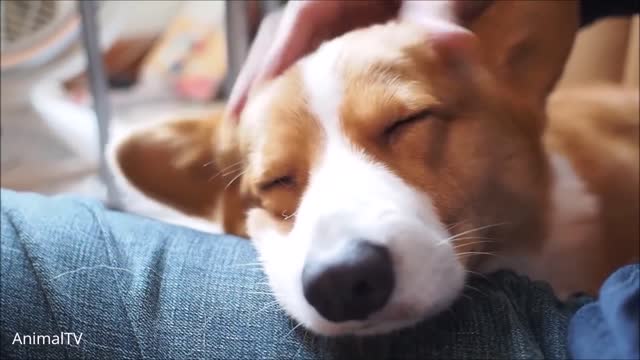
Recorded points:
(237, 108)
(234, 101)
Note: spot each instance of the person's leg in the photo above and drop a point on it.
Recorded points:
(610, 327)
(134, 287)
(138, 288)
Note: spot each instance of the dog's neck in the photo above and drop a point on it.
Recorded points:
(573, 223)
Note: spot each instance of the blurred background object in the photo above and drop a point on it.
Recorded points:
(163, 60)
(606, 51)
(41, 47)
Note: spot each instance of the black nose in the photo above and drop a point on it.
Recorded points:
(351, 285)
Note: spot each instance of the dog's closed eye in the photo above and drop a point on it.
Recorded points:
(404, 122)
(286, 181)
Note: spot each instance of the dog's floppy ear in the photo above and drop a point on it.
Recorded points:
(173, 163)
(528, 43)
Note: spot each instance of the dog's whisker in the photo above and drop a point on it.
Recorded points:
(452, 238)
(480, 238)
(248, 265)
(232, 165)
(290, 331)
(222, 171)
(478, 229)
(476, 289)
(261, 292)
(235, 178)
(302, 343)
(471, 253)
(473, 237)
(475, 253)
(451, 226)
(472, 243)
(269, 305)
(478, 274)
(287, 217)
(233, 171)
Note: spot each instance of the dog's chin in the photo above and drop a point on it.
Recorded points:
(427, 293)
(362, 328)
(371, 327)
(386, 327)
(391, 319)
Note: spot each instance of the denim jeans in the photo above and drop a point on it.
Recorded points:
(610, 327)
(135, 288)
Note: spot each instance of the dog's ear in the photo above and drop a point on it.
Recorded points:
(528, 43)
(175, 164)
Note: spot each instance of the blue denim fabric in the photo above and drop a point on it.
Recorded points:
(139, 289)
(609, 327)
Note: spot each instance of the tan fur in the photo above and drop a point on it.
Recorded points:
(480, 155)
(288, 137)
(529, 41)
(454, 154)
(174, 164)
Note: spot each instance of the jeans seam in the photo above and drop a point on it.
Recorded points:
(112, 261)
(38, 274)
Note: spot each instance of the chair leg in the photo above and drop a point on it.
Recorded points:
(99, 92)
(237, 30)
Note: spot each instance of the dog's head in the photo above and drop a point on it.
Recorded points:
(379, 169)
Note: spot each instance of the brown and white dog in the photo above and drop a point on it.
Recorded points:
(378, 171)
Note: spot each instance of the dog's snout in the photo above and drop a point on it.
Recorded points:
(350, 285)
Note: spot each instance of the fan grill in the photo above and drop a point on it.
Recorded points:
(21, 19)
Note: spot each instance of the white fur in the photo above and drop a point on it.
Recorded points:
(350, 197)
(130, 197)
(575, 209)
(574, 223)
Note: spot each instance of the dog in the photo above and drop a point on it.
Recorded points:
(379, 171)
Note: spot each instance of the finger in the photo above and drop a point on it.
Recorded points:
(281, 45)
(254, 61)
(307, 24)
(460, 12)
(304, 25)
(420, 11)
(293, 40)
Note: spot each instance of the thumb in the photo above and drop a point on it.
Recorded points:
(460, 12)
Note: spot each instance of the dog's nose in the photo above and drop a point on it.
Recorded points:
(350, 285)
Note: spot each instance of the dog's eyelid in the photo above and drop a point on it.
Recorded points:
(423, 114)
(285, 181)
(419, 115)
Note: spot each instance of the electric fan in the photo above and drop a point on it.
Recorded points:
(45, 42)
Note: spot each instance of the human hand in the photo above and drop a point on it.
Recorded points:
(286, 36)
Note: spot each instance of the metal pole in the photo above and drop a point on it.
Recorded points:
(269, 6)
(237, 36)
(99, 91)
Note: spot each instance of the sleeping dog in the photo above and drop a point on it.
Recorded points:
(381, 169)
